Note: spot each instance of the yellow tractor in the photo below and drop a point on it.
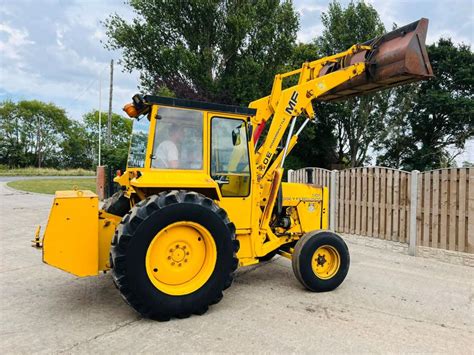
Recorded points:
(203, 193)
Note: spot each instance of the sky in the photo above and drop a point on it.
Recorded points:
(52, 50)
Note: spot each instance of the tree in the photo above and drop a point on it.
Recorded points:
(437, 118)
(38, 133)
(115, 154)
(357, 123)
(343, 132)
(317, 144)
(32, 132)
(11, 144)
(76, 149)
(226, 51)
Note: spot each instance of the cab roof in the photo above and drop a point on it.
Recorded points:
(208, 106)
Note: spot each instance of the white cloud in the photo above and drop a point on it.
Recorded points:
(387, 10)
(455, 20)
(57, 57)
(305, 7)
(310, 33)
(434, 36)
(15, 43)
(99, 35)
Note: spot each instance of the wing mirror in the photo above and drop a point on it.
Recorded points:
(236, 136)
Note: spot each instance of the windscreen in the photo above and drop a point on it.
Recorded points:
(178, 140)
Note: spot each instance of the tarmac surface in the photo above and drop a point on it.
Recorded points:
(389, 302)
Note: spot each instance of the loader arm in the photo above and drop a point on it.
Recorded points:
(283, 106)
(393, 59)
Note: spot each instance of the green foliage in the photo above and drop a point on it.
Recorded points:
(214, 50)
(357, 122)
(114, 154)
(34, 133)
(430, 122)
(344, 27)
(344, 131)
(76, 147)
(420, 126)
(31, 133)
(11, 144)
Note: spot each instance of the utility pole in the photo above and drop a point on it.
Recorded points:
(100, 113)
(109, 120)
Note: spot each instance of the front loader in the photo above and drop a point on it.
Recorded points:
(203, 193)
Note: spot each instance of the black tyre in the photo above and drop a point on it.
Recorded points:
(118, 204)
(321, 261)
(150, 276)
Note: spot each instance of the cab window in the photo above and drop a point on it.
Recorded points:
(230, 157)
(178, 139)
(137, 152)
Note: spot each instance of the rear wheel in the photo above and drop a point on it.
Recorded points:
(174, 254)
(321, 261)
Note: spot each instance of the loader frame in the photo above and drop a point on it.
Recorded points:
(256, 235)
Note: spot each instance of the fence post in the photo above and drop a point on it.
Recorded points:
(333, 200)
(413, 207)
(290, 175)
(101, 182)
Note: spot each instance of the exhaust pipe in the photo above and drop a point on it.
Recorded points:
(396, 58)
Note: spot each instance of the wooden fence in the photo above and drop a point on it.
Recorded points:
(445, 213)
(316, 176)
(377, 202)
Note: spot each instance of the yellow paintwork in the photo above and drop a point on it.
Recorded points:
(310, 203)
(77, 241)
(70, 240)
(36, 242)
(181, 258)
(325, 262)
(107, 225)
(171, 178)
(77, 237)
(239, 185)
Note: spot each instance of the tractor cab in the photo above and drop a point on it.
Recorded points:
(199, 146)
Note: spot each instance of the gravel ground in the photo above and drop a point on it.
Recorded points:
(390, 302)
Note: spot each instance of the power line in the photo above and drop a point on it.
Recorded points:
(91, 83)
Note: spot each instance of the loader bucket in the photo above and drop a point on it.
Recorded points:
(398, 57)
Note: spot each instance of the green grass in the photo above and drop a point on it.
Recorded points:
(4, 171)
(49, 186)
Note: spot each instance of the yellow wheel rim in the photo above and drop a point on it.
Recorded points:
(325, 262)
(181, 258)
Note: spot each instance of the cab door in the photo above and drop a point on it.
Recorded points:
(230, 167)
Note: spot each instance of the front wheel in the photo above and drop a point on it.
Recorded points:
(321, 261)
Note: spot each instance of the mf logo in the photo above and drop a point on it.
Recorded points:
(292, 103)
